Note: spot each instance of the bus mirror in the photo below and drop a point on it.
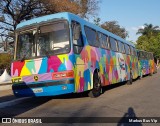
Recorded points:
(34, 32)
(76, 32)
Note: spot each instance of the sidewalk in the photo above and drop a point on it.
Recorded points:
(6, 93)
(5, 86)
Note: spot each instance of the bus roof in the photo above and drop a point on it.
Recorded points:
(70, 16)
(138, 50)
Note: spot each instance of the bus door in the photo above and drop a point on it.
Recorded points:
(79, 66)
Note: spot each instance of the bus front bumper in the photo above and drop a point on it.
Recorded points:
(49, 88)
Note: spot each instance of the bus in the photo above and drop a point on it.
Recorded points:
(146, 63)
(62, 53)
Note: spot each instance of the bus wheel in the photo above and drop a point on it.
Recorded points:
(151, 73)
(130, 81)
(140, 77)
(96, 91)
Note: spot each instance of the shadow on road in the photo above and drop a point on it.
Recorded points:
(32, 103)
(7, 98)
(24, 106)
(129, 115)
(112, 86)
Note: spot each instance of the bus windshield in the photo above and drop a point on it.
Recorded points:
(51, 39)
(26, 45)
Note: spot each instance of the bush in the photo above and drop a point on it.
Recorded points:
(5, 61)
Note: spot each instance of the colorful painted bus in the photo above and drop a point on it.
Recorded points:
(146, 63)
(62, 53)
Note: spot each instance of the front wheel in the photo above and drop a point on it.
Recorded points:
(96, 91)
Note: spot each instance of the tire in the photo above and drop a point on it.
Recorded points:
(130, 81)
(96, 91)
(141, 76)
(151, 73)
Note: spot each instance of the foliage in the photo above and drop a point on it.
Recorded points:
(115, 28)
(5, 61)
(148, 30)
(97, 21)
(151, 44)
(150, 39)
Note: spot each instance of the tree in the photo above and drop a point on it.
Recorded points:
(5, 61)
(12, 12)
(88, 7)
(150, 44)
(142, 43)
(148, 30)
(97, 21)
(150, 39)
(114, 27)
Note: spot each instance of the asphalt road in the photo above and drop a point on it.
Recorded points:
(140, 99)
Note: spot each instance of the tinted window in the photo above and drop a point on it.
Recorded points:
(132, 52)
(146, 55)
(121, 47)
(91, 36)
(127, 48)
(113, 44)
(77, 44)
(141, 55)
(103, 39)
(151, 55)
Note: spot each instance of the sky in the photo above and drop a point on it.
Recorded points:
(130, 14)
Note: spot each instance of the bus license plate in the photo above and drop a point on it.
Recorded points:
(37, 90)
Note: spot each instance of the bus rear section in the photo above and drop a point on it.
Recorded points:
(43, 60)
(146, 63)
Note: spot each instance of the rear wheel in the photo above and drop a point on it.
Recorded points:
(130, 81)
(141, 75)
(151, 72)
(96, 91)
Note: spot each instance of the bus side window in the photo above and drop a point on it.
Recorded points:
(92, 36)
(127, 49)
(77, 41)
(132, 50)
(121, 47)
(114, 45)
(103, 39)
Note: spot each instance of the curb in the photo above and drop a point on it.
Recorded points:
(5, 87)
(5, 84)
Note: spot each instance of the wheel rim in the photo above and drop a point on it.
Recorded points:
(97, 85)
